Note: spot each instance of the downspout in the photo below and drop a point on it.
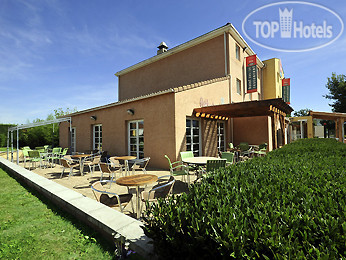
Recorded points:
(228, 73)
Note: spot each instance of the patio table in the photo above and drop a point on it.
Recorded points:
(137, 180)
(200, 161)
(81, 158)
(126, 161)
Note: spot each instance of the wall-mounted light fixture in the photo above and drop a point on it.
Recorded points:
(130, 112)
(244, 49)
(93, 118)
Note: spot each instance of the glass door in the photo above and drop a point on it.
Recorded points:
(136, 138)
(193, 136)
(97, 137)
(221, 136)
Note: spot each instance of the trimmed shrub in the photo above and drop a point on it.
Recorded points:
(289, 204)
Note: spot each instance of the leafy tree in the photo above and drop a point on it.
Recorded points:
(337, 91)
(302, 112)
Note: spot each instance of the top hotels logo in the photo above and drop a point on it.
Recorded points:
(293, 26)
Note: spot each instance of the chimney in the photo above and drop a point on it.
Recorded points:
(162, 48)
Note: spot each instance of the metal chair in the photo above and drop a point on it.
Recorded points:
(140, 164)
(68, 165)
(161, 190)
(34, 156)
(93, 162)
(104, 167)
(262, 150)
(103, 197)
(228, 156)
(179, 169)
(114, 163)
(186, 154)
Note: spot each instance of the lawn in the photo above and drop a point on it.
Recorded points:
(33, 228)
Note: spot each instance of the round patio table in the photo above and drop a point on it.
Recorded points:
(126, 159)
(201, 160)
(137, 180)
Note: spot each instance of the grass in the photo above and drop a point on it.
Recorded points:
(32, 228)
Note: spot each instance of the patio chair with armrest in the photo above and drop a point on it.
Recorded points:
(68, 165)
(140, 164)
(103, 196)
(116, 165)
(179, 169)
(228, 156)
(26, 157)
(188, 154)
(245, 149)
(262, 150)
(34, 157)
(104, 167)
(162, 189)
(93, 162)
(55, 155)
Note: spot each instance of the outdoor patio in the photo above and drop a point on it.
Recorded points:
(82, 183)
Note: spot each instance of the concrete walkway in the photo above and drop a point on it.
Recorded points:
(106, 220)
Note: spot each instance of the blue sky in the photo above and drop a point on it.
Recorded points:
(59, 54)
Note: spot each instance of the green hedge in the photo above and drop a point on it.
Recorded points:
(289, 204)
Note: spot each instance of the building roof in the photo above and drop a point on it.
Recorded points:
(171, 90)
(228, 28)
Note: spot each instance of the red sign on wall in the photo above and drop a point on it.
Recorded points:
(251, 73)
(286, 85)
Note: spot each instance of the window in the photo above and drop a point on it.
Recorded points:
(73, 139)
(136, 138)
(221, 136)
(237, 52)
(193, 136)
(97, 137)
(238, 86)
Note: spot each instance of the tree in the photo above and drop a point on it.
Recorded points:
(302, 112)
(337, 91)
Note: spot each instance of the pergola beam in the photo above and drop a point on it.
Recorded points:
(30, 125)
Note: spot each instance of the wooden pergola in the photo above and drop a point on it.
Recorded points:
(338, 118)
(277, 109)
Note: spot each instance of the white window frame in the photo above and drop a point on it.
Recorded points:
(97, 145)
(191, 135)
(139, 154)
(237, 52)
(236, 84)
(219, 136)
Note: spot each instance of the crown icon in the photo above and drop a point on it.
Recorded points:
(285, 22)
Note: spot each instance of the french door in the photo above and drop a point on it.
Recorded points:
(136, 138)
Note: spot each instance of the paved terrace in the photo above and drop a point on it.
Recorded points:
(75, 196)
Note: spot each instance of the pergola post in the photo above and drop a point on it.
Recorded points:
(17, 146)
(11, 146)
(8, 141)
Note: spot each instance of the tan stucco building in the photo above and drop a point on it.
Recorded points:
(157, 112)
